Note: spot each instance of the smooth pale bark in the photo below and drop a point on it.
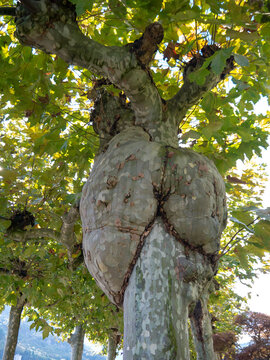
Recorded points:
(76, 341)
(112, 345)
(13, 329)
(158, 298)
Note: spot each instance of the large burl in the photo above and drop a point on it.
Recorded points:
(133, 181)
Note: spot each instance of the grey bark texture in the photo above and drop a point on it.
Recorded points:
(113, 341)
(130, 184)
(152, 213)
(76, 342)
(13, 328)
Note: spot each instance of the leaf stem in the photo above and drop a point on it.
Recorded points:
(233, 237)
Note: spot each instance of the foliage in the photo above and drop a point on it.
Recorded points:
(257, 326)
(252, 324)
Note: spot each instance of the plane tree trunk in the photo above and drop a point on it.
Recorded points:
(152, 213)
(13, 328)
(76, 342)
(113, 342)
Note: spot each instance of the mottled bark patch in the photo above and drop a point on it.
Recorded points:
(132, 182)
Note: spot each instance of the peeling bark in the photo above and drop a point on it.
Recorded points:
(158, 298)
(76, 341)
(13, 328)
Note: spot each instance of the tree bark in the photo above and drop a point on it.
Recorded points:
(202, 330)
(113, 341)
(13, 329)
(76, 341)
(158, 298)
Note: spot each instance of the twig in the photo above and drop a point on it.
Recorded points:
(189, 115)
(233, 237)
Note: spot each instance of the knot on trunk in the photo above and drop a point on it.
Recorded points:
(135, 181)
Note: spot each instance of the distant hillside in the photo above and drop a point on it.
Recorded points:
(31, 346)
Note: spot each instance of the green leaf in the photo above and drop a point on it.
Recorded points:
(263, 213)
(46, 332)
(243, 35)
(241, 60)
(199, 76)
(191, 134)
(208, 102)
(240, 84)
(262, 230)
(219, 59)
(82, 6)
(241, 253)
(233, 219)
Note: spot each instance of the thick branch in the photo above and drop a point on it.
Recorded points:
(22, 236)
(191, 92)
(67, 235)
(7, 11)
(51, 26)
(145, 47)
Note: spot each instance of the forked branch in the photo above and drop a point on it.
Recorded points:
(191, 92)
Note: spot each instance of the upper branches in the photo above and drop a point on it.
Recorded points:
(66, 236)
(191, 91)
(51, 26)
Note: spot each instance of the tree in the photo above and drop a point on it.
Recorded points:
(143, 191)
(257, 326)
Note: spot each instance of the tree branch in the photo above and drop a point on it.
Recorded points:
(51, 26)
(22, 236)
(191, 92)
(145, 47)
(224, 251)
(67, 235)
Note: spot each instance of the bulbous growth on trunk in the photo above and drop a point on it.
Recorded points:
(134, 181)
